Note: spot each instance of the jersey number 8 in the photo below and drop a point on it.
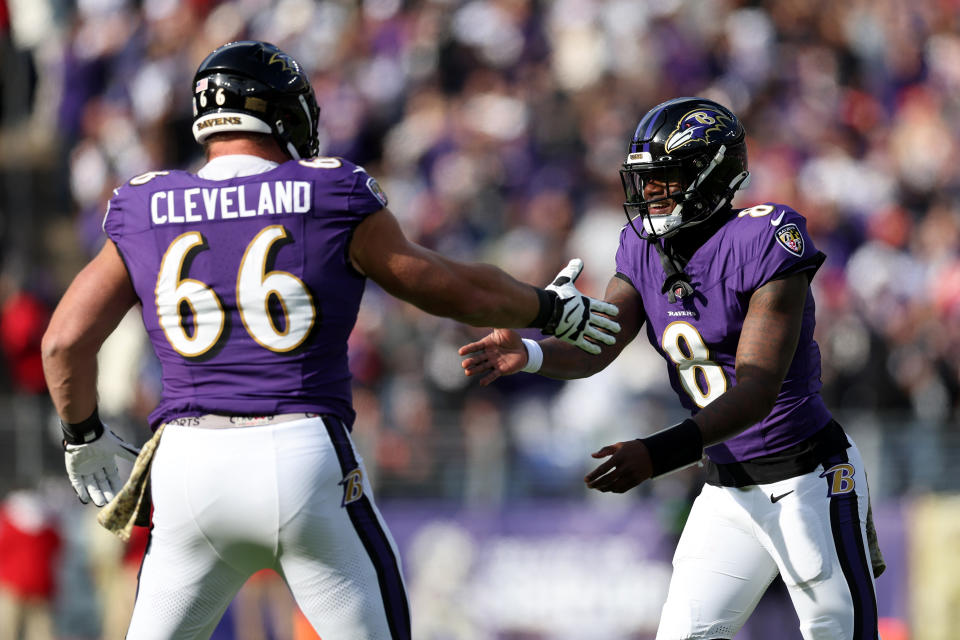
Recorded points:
(255, 288)
(693, 360)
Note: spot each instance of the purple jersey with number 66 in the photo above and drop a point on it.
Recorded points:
(698, 335)
(247, 293)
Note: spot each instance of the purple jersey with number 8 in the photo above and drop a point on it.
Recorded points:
(698, 335)
(247, 292)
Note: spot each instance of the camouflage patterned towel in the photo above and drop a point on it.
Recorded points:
(876, 558)
(131, 506)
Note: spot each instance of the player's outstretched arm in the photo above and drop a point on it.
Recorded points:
(499, 353)
(768, 341)
(502, 352)
(474, 293)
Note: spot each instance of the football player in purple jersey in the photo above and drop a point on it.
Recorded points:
(250, 274)
(725, 296)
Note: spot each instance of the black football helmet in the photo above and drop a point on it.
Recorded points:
(686, 160)
(253, 86)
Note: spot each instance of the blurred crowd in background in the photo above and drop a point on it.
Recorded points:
(497, 128)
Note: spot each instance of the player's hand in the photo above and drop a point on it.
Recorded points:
(499, 353)
(627, 466)
(92, 467)
(578, 317)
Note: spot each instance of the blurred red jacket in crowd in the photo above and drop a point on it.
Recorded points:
(23, 319)
(29, 548)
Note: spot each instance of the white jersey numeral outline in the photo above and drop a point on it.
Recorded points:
(695, 358)
(761, 210)
(256, 287)
(757, 211)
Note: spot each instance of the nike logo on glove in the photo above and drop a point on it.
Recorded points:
(774, 499)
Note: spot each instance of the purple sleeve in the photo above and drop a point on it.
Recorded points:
(627, 253)
(366, 196)
(113, 218)
(128, 212)
(346, 188)
(781, 245)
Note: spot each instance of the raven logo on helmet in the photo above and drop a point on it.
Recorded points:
(697, 126)
(287, 63)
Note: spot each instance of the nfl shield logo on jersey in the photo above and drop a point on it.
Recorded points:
(377, 190)
(790, 239)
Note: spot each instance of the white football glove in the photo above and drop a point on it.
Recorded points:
(92, 467)
(577, 316)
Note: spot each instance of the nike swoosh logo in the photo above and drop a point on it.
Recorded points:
(775, 499)
(775, 221)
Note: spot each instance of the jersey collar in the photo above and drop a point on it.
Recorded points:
(234, 166)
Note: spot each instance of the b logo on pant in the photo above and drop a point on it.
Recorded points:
(352, 486)
(841, 479)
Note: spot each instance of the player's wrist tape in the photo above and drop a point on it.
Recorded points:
(548, 309)
(679, 446)
(534, 356)
(82, 432)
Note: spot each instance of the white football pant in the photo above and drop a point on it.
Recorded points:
(292, 497)
(810, 529)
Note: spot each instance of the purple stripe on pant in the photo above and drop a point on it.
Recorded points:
(374, 538)
(854, 561)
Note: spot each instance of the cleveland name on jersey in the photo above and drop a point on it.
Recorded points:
(698, 334)
(246, 290)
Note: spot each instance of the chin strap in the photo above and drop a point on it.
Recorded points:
(676, 284)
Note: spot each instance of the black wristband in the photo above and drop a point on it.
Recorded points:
(548, 304)
(674, 448)
(82, 432)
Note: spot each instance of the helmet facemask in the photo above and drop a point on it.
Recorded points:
(648, 186)
(656, 194)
